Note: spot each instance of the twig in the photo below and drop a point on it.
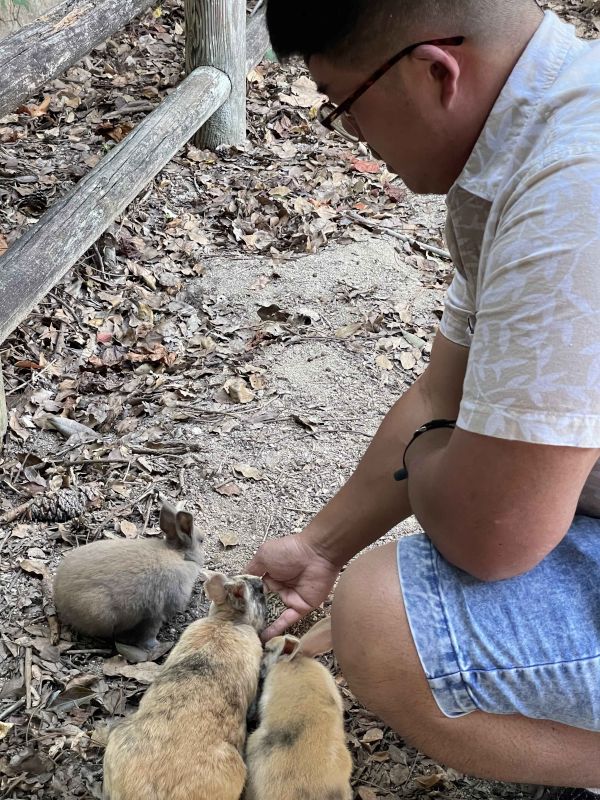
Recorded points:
(27, 670)
(124, 507)
(49, 610)
(12, 515)
(93, 652)
(147, 515)
(66, 304)
(372, 225)
(5, 539)
(268, 528)
(8, 711)
(134, 107)
(257, 7)
(60, 339)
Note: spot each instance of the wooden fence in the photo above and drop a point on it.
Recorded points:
(221, 48)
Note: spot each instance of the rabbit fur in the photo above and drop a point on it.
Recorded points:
(125, 589)
(186, 740)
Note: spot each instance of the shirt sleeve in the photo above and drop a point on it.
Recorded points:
(458, 309)
(534, 365)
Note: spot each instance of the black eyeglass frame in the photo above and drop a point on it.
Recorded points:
(329, 112)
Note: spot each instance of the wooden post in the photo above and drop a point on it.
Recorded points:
(216, 37)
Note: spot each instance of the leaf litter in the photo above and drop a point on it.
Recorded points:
(232, 341)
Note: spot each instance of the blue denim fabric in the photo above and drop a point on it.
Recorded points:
(529, 645)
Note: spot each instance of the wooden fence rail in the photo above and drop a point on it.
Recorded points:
(43, 50)
(39, 259)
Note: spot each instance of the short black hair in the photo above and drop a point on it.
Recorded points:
(357, 29)
(307, 27)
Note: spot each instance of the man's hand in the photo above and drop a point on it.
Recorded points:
(294, 569)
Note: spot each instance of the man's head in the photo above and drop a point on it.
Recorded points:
(424, 115)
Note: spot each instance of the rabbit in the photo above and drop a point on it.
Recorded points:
(124, 590)
(299, 748)
(186, 740)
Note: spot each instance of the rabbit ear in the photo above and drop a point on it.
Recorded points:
(177, 523)
(215, 587)
(238, 594)
(168, 524)
(184, 525)
(318, 639)
(284, 647)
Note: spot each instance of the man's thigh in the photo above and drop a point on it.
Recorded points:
(373, 642)
(424, 630)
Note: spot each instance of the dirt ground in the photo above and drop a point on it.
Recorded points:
(233, 342)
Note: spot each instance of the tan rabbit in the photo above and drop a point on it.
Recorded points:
(299, 748)
(186, 740)
(125, 589)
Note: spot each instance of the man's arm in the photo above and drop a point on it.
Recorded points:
(372, 502)
(492, 507)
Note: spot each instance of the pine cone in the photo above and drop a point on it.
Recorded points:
(62, 505)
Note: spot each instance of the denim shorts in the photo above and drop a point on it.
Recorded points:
(528, 645)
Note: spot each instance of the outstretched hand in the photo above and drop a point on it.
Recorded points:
(298, 573)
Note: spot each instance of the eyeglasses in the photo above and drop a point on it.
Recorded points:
(338, 118)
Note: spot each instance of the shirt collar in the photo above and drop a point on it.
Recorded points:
(534, 74)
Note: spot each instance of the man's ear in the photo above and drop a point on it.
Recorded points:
(444, 69)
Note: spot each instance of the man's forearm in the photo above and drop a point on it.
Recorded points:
(372, 502)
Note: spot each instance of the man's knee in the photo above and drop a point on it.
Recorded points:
(373, 643)
(371, 636)
(356, 618)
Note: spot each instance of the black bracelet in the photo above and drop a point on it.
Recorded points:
(433, 425)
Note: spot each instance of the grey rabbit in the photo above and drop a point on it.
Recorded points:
(125, 589)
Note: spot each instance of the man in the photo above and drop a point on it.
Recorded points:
(478, 641)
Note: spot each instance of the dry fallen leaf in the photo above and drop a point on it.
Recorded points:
(35, 567)
(429, 781)
(349, 330)
(238, 390)
(246, 471)
(229, 539)
(365, 793)
(365, 166)
(383, 362)
(3, 245)
(408, 361)
(306, 423)
(229, 489)
(22, 530)
(129, 529)
(372, 735)
(5, 729)
(145, 672)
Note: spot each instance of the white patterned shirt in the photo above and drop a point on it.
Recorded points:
(524, 233)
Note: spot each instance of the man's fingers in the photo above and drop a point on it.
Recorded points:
(255, 566)
(288, 618)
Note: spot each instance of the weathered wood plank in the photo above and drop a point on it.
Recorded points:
(37, 261)
(216, 35)
(257, 39)
(43, 50)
